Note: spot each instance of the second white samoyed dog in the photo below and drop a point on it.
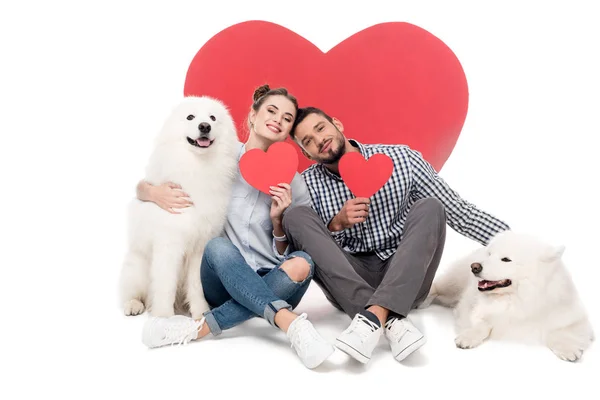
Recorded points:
(516, 287)
(197, 149)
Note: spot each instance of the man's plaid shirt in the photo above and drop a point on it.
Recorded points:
(413, 179)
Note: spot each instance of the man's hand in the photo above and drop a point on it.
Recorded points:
(353, 212)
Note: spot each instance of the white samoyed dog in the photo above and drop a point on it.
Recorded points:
(517, 287)
(196, 148)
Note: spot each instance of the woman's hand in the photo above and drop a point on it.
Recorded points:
(167, 196)
(281, 196)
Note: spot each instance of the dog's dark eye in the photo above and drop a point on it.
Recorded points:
(506, 259)
(190, 117)
(213, 118)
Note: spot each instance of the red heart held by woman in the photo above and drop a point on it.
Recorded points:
(263, 169)
(391, 83)
(365, 177)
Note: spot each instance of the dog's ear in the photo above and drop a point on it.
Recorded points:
(553, 253)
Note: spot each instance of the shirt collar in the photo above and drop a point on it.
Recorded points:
(361, 147)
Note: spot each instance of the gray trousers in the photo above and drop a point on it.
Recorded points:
(354, 282)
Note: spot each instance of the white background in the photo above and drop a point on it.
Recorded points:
(84, 87)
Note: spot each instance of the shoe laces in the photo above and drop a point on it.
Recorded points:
(363, 327)
(301, 334)
(396, 328)
(182, 332)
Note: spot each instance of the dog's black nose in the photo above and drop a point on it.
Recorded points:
(204, 127)
(476, 268)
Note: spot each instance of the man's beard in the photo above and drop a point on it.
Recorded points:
(335, 157)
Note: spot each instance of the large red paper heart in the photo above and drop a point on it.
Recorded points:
(277, 165)
(392, 83)
(365, 177)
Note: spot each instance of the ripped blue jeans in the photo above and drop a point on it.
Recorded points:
(236, 293)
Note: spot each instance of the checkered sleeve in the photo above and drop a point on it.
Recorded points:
(463, 217)
(338, 236)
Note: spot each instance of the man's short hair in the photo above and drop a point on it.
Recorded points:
(305, 112)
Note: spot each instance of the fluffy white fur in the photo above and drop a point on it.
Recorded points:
(540, 304)
(161, 270)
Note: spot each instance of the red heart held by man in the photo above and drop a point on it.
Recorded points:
(391, 83)
(263, 169)
(365, 177)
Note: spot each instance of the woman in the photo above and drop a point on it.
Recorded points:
(249, 272)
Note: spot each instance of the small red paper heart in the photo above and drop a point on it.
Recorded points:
(365, 177)
(277, 165)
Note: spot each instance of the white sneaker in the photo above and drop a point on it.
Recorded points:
(360, 338)
(177, 329)
(309, 345)
(404, 338)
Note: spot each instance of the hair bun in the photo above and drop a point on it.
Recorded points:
(261, 91)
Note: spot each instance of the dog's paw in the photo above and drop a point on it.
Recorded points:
(133, 307)
(566, 351)
(469, 339)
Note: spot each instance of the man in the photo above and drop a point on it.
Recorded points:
(376, 258)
